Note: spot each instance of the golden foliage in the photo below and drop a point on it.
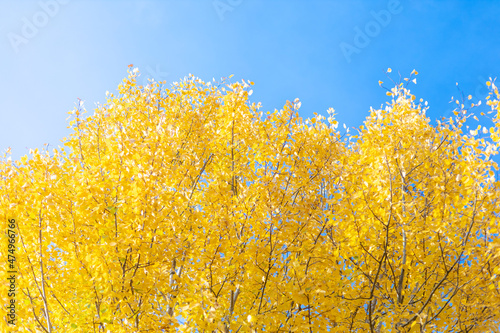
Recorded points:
(185, 209)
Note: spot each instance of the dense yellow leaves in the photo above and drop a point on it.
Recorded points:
(187, 209)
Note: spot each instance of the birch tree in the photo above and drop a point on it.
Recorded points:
(188, 209)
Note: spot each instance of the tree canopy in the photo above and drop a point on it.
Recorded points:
(188, 209)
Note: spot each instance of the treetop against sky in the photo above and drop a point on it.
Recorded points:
(188, 209)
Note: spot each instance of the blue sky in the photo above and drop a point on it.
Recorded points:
(56, 51)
